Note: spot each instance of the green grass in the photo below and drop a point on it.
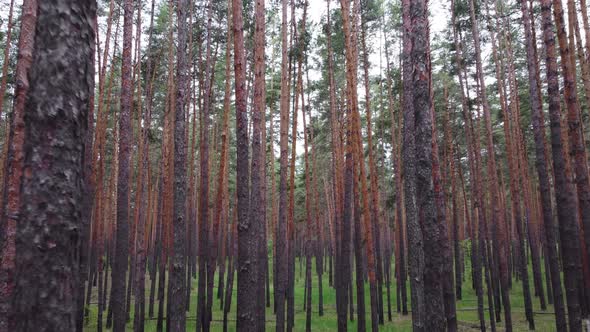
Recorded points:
(466, 309)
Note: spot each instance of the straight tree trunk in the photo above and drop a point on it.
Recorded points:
(425, 196)
(205, 264)
(447, 278)
(176, 299)
(246, 314)
(564, 191)
(250, 281)
(291, 230)
(416, 261)
(281, 236)
(122, 236)
(341, 247)
(55, 131)
(577, 148)
(473, 158)
(16, 166)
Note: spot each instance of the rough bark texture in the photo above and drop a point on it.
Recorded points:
(176, 289)
(122, 235)
(250, 282)
(281, 236)
(427, 218)
(246, 314)
(564, 191)
(416, 260)
(15, 165)
(48, 233)
(205, 263)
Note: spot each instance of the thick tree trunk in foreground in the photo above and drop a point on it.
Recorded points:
(48, 234)
(246, 304)
(251, 301)
(425, 199)
(416, 260)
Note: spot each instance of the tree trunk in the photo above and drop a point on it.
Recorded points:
(48, 232)
(176, 295)
(122, 237)
(415, 240)
(16, 166)
(564, 191)
(246, 314)
(205, 263)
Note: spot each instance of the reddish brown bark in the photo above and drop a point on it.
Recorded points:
(564, 191)
(15, 165)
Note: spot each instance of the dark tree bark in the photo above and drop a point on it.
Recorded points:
(55, 131)
(425, 199)
(281, 236)
(447, 278)
(122, 236)
(416, 261)
(205, 263)
(176, 290)
(246, 314)
(564, 191)
(250, 282)
(15, 166)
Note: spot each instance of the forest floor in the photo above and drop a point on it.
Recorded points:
(466, 308)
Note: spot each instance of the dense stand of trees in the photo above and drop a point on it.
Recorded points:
(249, 142)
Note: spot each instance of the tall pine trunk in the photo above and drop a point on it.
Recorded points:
(55, 132)
(564, 191)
